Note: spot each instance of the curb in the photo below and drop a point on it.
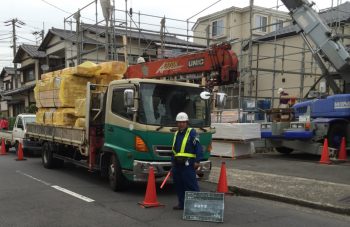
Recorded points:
(280, 198)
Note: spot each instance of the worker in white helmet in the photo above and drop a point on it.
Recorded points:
(283, 98)
(187, 153)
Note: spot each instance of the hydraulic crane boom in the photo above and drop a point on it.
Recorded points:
(327, 46)
(218, 64)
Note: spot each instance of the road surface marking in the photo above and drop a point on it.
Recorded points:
(27, 175)
(86, 199)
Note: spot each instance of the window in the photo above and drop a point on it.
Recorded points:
(28, 75)
(278, 24)
(118, 107)
(19, 123)
(217, 28)
(261, 23)
(160, 103)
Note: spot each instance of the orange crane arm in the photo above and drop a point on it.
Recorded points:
(218, 63)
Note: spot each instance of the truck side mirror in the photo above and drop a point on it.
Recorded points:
(205, 95)
(220, 100)
(129, 98)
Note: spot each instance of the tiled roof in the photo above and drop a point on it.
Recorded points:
(8, 70)
(134, 33)
(64, 35)
(31, 50)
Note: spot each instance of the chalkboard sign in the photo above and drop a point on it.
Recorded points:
(204, 206)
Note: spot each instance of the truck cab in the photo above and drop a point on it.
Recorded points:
(18, 134)
(140, 124)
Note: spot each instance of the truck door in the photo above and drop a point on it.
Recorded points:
(119, 134)
(18, 130)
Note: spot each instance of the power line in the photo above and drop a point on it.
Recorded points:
(56, 7)
(26, 39)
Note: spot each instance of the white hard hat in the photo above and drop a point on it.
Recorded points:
(182, 116)
(140, 60)
(280, 90)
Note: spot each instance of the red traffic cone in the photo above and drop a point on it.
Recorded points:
(222, 184)
(3, 147)
(20, 153)
(151, 196)
(325, 154)
(342, 152)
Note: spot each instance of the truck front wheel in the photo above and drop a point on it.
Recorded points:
(284, 150)
(116, 179)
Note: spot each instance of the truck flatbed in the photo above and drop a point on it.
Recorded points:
(59, 134)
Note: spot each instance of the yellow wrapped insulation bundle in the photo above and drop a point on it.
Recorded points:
(64, 117)
(60, 91)
(105, 79)
(112, 67)
(61, 95)
(53, 116)
(80, 107)
(80, 123)
(45, 116)
(86, 69)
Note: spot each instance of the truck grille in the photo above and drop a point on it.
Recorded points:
(163, 151)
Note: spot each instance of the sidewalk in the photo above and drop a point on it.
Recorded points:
(334, 197)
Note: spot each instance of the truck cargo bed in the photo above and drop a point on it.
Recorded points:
(59, 134)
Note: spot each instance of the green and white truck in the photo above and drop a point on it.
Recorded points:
(129, 126)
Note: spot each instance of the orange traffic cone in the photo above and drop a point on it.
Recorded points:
(342, 152)
(3, 148)
(151, 196)
(222, 184)
(325, 154)
(20, 153)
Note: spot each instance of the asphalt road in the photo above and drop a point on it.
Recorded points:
(32, 196)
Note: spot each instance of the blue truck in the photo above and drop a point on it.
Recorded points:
(307, 124)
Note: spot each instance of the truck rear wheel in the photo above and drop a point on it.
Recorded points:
(284, 150)
(116, 179)
(47, 156)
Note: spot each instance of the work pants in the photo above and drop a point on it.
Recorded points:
(185, 180)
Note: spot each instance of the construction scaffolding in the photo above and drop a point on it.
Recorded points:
(267, 64)
(270, 63)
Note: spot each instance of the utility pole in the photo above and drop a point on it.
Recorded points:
(162, 36)
(78, 32)
(14, 22)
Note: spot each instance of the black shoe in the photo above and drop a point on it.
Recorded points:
(177, 208)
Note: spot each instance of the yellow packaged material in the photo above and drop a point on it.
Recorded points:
(68, 71)
(45, 115)
(61, 91)
(105, 79)
(80, 123)
(80, 107)
(46, 75)
(39, 116)
(86, 69)
(64, 117)
(112, 67)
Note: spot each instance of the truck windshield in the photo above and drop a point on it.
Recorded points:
(160, 103)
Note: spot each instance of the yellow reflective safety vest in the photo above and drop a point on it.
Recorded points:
(182, 152)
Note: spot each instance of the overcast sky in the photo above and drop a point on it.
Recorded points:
(39, 14)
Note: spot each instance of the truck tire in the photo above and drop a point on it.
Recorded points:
(336, 132)
(284, 150)
(47, 156)
(116, 179)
